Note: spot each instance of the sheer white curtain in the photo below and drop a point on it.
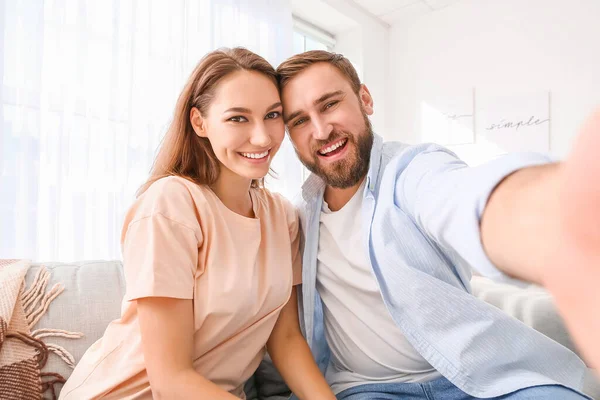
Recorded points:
(87, 91)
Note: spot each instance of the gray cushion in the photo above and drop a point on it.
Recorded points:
(91, 299)
(269, 383)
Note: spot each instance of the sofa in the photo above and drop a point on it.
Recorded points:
(94, 289)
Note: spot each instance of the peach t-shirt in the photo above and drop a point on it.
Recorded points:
(179, 240)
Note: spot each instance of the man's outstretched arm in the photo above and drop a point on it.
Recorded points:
(520, 223)
(542, 224)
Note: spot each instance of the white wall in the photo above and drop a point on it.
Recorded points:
(366, 47)
(497, 44)
(376, 62)
(349, 43)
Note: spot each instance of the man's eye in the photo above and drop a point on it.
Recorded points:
(329, 105)
(299, 121)
(238, 118)
(273, 115)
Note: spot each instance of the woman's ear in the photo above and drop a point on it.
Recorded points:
(365, 98)
(198, 123)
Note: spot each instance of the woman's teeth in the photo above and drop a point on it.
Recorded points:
(256, 155)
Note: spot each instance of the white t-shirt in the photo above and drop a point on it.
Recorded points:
(366, 345)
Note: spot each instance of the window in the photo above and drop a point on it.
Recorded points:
(87, 91)
(303, 43)
(309, 37)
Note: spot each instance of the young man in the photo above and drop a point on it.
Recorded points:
(391, 234)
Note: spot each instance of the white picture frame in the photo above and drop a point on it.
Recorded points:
(513, 122)
(446, 116)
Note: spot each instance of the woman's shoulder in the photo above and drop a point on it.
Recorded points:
(173, 197)
(176, 189)
(174, 184)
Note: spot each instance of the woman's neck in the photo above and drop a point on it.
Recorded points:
(234, 191)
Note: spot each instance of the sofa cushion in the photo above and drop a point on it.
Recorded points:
(94, 291)
(91, 299)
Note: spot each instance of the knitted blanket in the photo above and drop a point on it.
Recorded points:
(23, 354)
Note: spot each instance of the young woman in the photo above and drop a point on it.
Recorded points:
(210, 256)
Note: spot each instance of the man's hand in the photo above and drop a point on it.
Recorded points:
(573, 270)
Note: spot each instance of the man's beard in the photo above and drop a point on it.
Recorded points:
(348, 171)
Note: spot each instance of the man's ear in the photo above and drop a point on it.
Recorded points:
(198, 123)
(365, 98)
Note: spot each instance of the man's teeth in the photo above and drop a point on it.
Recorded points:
(332, 147)
(255, 155)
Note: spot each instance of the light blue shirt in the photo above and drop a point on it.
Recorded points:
(420, 215)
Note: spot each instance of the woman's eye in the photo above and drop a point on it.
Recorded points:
(273, 115)
(238, 118)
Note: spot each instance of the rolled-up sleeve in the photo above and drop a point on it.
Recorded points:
(446, 198)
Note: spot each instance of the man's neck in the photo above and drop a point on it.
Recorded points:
(337, 198)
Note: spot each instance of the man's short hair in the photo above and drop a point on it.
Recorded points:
(294, 65)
